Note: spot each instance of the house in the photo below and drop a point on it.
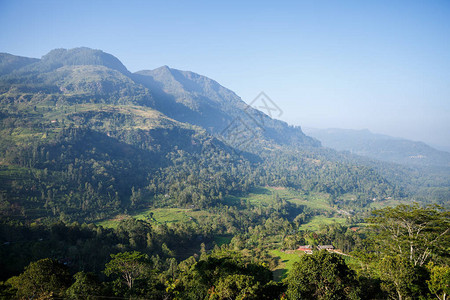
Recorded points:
(325, 247)
(306, 249)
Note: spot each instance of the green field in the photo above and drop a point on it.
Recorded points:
(317, 221)
(159, 215)
(385, 203)
(266, 195)
(285, 263)
(259, 196)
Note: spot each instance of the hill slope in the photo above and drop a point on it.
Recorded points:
(10, 63)
(196, 99)
(82, 138)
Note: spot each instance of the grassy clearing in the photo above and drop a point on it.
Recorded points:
(386, 203)
(264, 196)
(286, 262)
(313, 200)
(159, 215)
(222, 239)
(257, 196)
(113, 222)
(317, 221)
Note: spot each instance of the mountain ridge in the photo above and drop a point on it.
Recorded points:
(10, 62)
(83, 140)
(182, 95)
(193, 98)
(381, 147)
(60, 57)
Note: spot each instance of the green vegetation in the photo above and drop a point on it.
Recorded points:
(122, 185)
(266, 195)
(318, 221)
(321, 276)
(286, 260)
(220, 240)
(159, 216)
(157, 260)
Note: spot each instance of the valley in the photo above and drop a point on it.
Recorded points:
(101, 168)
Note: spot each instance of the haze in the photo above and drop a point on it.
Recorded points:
(348, 64)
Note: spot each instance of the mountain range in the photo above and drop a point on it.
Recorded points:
(381, 147)
(81, 137)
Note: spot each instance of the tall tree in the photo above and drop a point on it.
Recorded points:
(129, 265)
(439, 283)
(399, 277)
(41, 279)
(321, 275)
(86, 286)
(414, 232)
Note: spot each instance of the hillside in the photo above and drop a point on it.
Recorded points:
(196, 99)
(381, 147)
(9, 63)
(84, 139)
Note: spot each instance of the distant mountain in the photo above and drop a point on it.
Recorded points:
(9, 62)
(76, 57)
(381, 147)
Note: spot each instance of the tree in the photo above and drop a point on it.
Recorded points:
(129, 265)
(411, 231)
(236, 287)
(321, 275)
(41, 279)
(225, 271)
(398, 276)
(86, 286)
(439, 283)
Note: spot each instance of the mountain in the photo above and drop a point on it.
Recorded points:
(381, 147)
(81, 138)
(182, 95)
(75, 57)
(192, 98)
(9, 63)
(73, 76)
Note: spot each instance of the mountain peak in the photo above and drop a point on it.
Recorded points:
(82, 56)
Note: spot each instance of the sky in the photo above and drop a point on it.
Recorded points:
(380, 65)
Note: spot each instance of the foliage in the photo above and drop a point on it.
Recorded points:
(223, 275)
(413, 232)
(236, 287)
(439, 283)
(86, 286)
(401, 278)
(129, 265)
(43, 278)
(321, 276)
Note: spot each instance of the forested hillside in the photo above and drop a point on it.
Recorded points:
(103, 171)
(84, 138)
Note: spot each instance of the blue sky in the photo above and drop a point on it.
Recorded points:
(381, 65)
